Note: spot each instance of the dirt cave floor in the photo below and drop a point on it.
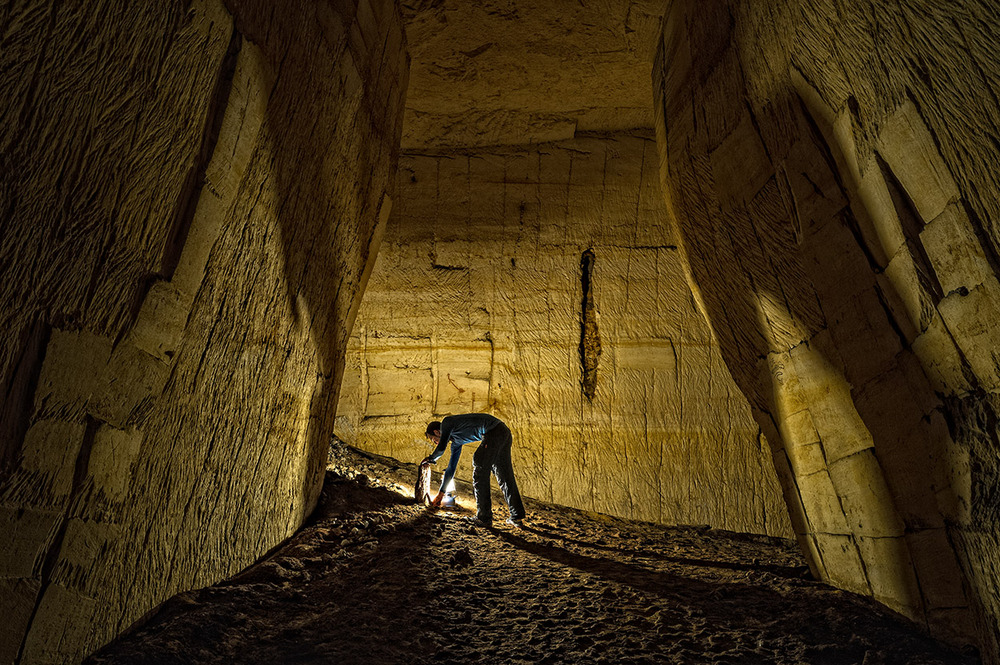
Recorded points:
(376, 578)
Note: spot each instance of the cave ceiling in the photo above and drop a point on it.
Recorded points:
(526, 71)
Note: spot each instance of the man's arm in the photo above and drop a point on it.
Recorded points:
(436, 455)
(449, 473)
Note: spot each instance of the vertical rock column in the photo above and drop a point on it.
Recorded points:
(192, 200)
(835, 201)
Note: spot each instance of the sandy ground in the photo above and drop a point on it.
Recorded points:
(376, 578)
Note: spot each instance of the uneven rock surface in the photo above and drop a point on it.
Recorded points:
(502, 72)
(832, 170)
(375, 578)
(179, 270)
(192, 195)
(540, 284)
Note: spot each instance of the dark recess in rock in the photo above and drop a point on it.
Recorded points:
(590, 337)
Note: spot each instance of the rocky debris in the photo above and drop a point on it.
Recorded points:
(569, 587)
(461, 558)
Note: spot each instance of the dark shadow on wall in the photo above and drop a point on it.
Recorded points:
(764, 249)
(805, 321)
(201, 435)
(331, 159)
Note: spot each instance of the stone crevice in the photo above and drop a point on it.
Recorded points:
(590, 337)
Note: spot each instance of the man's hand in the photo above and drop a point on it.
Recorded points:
(427, 460)
(436, 501)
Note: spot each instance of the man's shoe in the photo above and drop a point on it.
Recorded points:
(475, 521)
(517, 524)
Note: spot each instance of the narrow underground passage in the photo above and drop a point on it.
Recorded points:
(761, 303)
(375, 577)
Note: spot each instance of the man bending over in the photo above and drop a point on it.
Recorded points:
(493, 455)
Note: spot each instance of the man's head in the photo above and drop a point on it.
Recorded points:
(434, 432)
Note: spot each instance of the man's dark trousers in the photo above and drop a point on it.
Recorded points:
(493, 455)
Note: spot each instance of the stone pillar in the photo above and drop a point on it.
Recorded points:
(193, 197)
(836, 203)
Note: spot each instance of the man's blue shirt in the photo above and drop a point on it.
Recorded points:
(467, 428)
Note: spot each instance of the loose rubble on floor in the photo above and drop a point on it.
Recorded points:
(376, 578)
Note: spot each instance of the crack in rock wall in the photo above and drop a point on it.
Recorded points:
(475, 305)
(830, 174)
(192, 199)
(590, 336)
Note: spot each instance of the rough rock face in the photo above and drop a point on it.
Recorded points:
(499, 72)
(833, 175)
(190, 201)
(539, 283)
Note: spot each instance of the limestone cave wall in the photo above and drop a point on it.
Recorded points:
(831, 170)
(191, 198)
(540, 283)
